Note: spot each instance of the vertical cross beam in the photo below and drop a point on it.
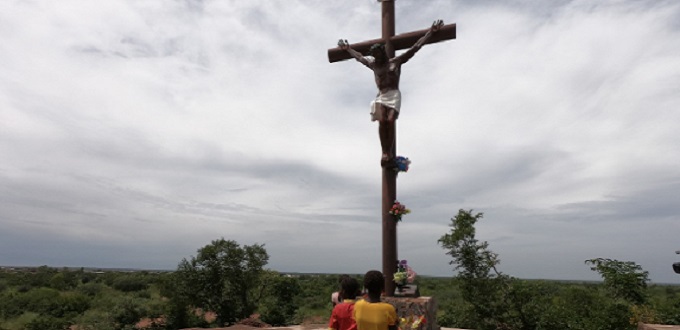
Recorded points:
(389, 176)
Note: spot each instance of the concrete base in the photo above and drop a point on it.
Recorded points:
(407, 307)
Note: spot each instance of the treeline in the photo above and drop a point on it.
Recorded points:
(58, 298)
(226, 283)
(51, 298)
(223, 284)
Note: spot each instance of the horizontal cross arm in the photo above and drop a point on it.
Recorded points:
(401, 41)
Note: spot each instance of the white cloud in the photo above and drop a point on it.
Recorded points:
(159, 126)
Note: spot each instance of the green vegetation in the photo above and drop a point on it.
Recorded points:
(490, 300)
(232, 282)
(47, 298)
(224, 278)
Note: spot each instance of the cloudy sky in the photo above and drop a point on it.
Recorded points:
(133, 133)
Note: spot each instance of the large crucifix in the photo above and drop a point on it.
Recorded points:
(385, 108)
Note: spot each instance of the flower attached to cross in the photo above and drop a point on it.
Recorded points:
(398, 210)
(401, 164)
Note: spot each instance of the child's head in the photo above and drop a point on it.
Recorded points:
(374, 282)
(341, 278)
(349, 287)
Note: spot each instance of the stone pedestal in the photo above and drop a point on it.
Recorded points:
(415, 307)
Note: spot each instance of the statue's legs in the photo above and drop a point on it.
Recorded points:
(383, 130)
(386, 132)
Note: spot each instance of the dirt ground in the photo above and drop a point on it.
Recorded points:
(247, 327)
(251, 323)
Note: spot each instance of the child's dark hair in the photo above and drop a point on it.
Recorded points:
(349, 287)
(342, 277)
(374, 282)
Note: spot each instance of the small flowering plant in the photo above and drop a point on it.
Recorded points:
(398, 210)
(401, 164)
(412, 322)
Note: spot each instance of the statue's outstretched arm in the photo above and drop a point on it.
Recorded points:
(344, 45)
(403, 58)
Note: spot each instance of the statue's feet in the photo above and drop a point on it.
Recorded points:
(387, 161)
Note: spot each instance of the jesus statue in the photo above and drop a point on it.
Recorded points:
(385, 108)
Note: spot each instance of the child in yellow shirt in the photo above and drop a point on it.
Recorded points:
(372, 313)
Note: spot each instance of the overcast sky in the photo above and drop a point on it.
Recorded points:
(133, 133)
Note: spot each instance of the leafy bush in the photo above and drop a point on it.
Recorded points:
(20, 321)
(71, 304)
(47, 323)
(95, 320)
(669, 313)
(278, 307)
(128, 311)
(130, 283)
(40, 300)
(91, 289)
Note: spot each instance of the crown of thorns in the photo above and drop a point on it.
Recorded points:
(378, 46)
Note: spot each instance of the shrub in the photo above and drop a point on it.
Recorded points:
(91, 289)
(130, 283)
(44, 322)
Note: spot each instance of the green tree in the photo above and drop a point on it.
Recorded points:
(279, 305)
(224, 278)
(58, 282)
(626, 283)
(130, 283)
(91, 289)
(624, 279)
(482, 286)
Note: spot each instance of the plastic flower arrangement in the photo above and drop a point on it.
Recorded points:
(401, 164)
(402, 265)
(408, 274)
(398, 210)
(412, 322)
(400, 277)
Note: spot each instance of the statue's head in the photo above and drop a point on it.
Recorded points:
(378, 51)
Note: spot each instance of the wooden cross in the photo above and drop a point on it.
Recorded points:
(389, 176)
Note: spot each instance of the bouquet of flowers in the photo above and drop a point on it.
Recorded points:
(401, 164)
(400, 277)
(398, 210)
(411, 323)
(406, 273)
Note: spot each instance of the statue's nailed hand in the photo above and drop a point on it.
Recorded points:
(437, 25)
(343, 44)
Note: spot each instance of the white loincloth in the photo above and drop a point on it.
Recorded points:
(390, 99)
